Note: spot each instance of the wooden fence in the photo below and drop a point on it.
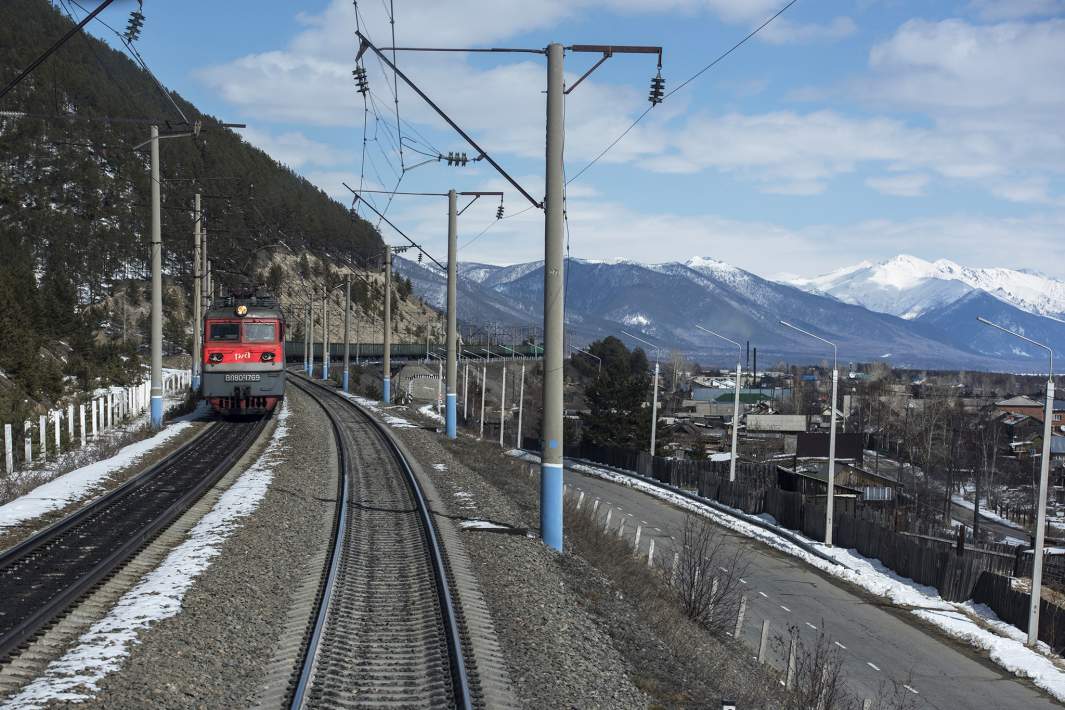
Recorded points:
(1011, 605)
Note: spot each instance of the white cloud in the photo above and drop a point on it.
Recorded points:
(783, 31)
(909, 185)
(294, 149)
(1016, 9)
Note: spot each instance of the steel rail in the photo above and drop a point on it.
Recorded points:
(22, 553)
(456, 656)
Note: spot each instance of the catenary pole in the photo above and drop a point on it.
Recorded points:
(197, 320)
(321, 321)
(307, 316)
(347, 330)
(157, 289)
(386, 388)
(736, 399)
(452, 315)
(326, 296)
(551, 438)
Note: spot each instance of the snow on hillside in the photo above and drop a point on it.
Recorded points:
(908, 286)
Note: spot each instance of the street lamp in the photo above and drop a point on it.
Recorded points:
(736, 404)
(1044, 471)
(654, 400)
(599, 359)
(831, 429)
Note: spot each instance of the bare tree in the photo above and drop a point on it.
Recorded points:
(708, 574)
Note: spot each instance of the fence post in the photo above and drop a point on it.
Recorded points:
(621, 529)
(580, 499)
(27, 440)
(651, 553)
(81, 420)
(55, 421)
(95, 429)
(636, 544)
(609, 512)
(595, 508)
(739, 616)
(789, 679)
(43, 428)
(70, 424)
(763, 641)
(9, 459)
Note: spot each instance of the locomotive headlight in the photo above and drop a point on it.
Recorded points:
(267, 357)
(214, 357)
(241, 310)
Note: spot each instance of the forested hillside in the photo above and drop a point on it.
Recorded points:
(74, 206)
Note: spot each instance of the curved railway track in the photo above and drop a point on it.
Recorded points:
(385, 631)
(42, 577)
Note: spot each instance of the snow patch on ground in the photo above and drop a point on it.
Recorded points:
(81, 482)
(481, 525)
(1006, 647)
(75, 677)
(375, 407)
(440, 466)
(984, 512)
(430, 412)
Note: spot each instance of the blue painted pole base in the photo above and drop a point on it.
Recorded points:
(195, 383)
(344, 383)
(551, 505)
(450, 413)
(325, 370)
(157, 412)
(386, 391)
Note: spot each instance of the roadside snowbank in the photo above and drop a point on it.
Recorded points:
(1006, 647)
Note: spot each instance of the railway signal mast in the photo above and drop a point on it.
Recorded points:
(554, 214)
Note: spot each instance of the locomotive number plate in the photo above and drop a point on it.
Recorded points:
(244, 377)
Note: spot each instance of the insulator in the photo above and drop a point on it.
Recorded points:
(133, 27)
(499, 212)
(419, 257)
(658, 86)
(361, 82)
(464, 160)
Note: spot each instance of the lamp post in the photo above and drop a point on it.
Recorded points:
(1044, 471)
(599, 359)
(736, 398)
(654, 398)
(831, 435)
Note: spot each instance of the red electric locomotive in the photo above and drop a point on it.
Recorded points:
(243, 353)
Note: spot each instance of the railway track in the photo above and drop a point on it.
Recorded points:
(44, 575)
(385, 631)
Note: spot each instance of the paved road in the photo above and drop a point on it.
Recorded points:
(878, 643)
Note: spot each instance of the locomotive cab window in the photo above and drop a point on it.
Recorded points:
(225, 331)
(259, 332)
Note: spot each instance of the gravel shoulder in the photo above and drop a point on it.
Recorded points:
(215, 652)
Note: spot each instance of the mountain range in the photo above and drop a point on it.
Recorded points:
(906, 312)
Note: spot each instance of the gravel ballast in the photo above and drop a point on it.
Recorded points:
(215, 651)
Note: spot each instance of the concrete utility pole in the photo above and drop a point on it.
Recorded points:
(452, 315)
(321, 319)
(1036, 597)
(307, 316)
(157, 290)
(554, 312)
(654, 394)
(347, 331)
(503, 402)
(386, 383)
(736, 403)
(197, 320)
(830, 503)
(325, 333)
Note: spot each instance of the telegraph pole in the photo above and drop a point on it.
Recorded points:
(452, 315)
(551, 438)
(307, 319)
(347, 330)
(157, 290)
(197, 320)
(386, 389)
(325, 333)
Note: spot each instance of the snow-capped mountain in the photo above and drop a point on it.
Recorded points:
(908, 287)
(663, 302)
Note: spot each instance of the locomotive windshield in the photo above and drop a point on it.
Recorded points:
(225, 331)
(259, 333)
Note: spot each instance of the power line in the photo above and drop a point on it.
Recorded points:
(680, 86)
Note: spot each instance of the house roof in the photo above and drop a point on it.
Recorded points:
(1018, 401)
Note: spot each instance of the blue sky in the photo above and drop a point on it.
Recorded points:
(849, 130)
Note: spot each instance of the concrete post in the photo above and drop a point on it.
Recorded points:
(654, 407)
(521, 404)
(9, 450)
(735, 425)
(347, 332)
(321, 320)
(43, 431)
(484, 389)
(157, 289)
(70, 424)
(830, 503)
(325, 333)
(95, 427)
(308, 341)
(452, 316)
(503, 402)
(1035, 598)
(554, 266)
(465, 390)
(651, 553)
(763, 641)
(739, 617)
(197, 316)
(386, 369)
(55, 425)
(789, 678)
(27, 441)
(439, 384)
(81, 423)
